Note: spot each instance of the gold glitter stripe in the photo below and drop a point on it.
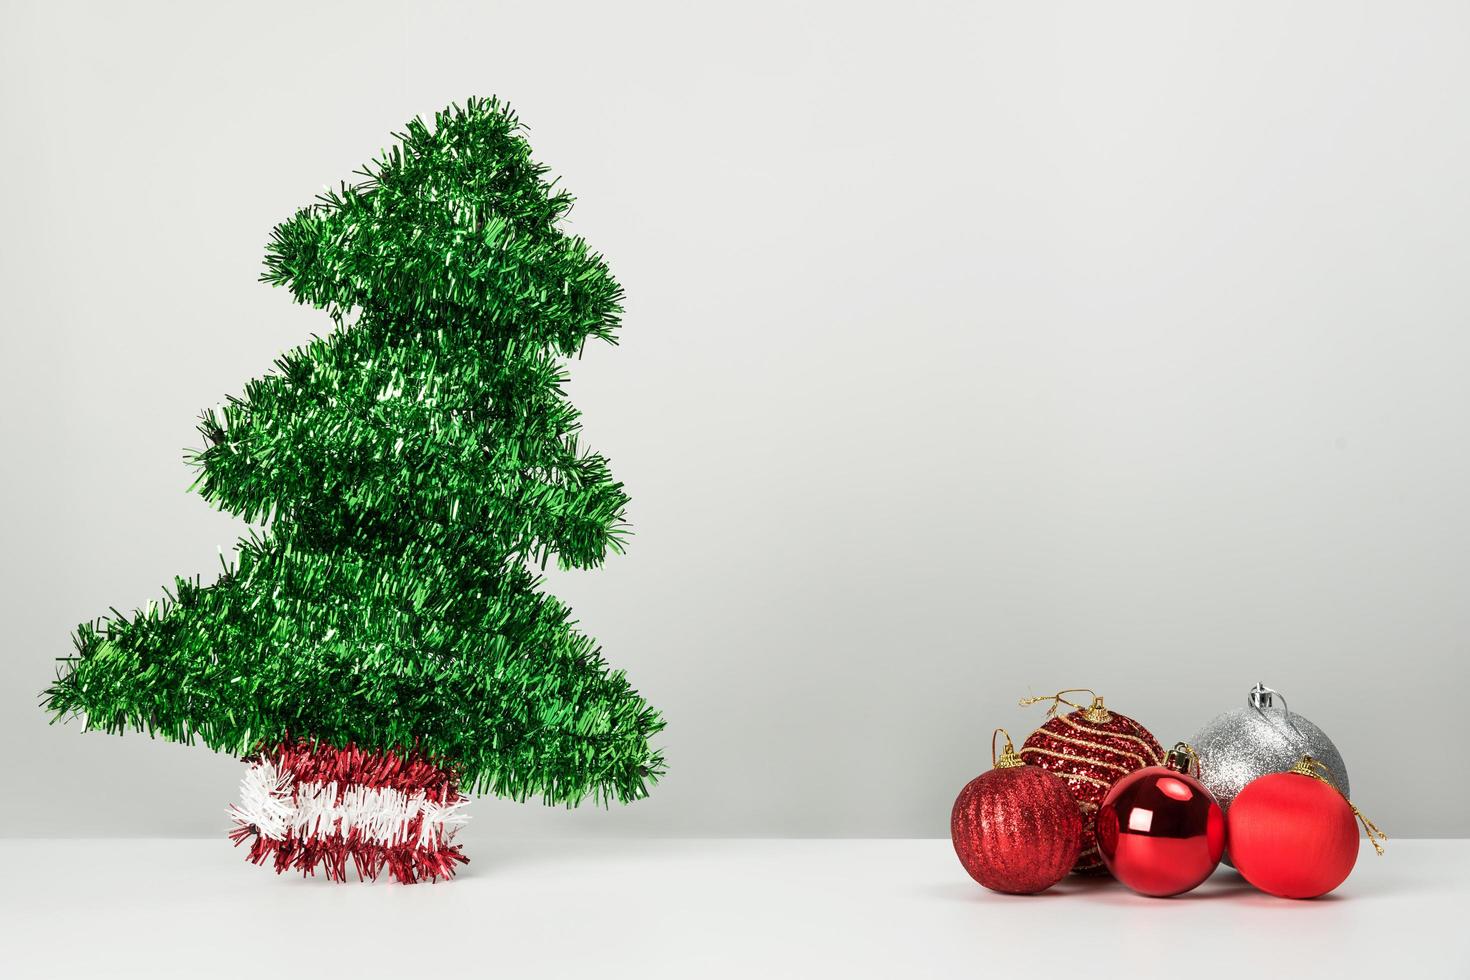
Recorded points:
(1069, 758)
(1121, 770)
(1156, 761)
(1106, 748)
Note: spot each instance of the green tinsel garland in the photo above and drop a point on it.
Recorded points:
(409, 467)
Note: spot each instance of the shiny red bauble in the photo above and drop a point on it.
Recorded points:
(1091, 748)
(1293, 835)
(1016, 828)
(1159, 831)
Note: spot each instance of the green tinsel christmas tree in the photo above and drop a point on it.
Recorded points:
(385, 631)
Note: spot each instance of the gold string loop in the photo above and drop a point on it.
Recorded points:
(1094, 712)
(1308, 766)
(1008, 759)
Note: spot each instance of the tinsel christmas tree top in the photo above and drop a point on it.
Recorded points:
(411, 468)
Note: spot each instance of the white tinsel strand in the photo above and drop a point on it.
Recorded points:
(443, 820)
(383, 816)
(265, 801)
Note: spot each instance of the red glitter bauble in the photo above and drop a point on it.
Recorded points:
(1159, 831)
(1091, 748)
(1016, 828)
(1292, 835)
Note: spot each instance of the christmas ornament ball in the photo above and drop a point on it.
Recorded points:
(1016, 828)
(1261, 738)
(1293, 834)
(1091, 748)
(1159, 831)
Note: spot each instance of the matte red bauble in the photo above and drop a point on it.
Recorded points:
(1159, 831)
(1293, 834)
(1016, 828)
(1091, 748)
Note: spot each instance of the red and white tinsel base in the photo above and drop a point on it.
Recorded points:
(306, 805)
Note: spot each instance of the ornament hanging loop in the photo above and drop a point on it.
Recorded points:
(1262, 697)
(1094, 712)
(1308, 766)
(1008, 759)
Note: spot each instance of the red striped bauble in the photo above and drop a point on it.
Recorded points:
(308, 805)
(1016, 828)
(1091, 748)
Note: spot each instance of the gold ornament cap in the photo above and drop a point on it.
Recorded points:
(1008, 759)
(1181, 757)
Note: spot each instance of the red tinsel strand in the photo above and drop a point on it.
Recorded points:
(317, 762)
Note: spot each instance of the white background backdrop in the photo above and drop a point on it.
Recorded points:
(972, 351)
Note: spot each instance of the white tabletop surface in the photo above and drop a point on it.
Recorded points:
(697, 908)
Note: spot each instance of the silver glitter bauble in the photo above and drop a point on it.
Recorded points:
(1259, 739)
